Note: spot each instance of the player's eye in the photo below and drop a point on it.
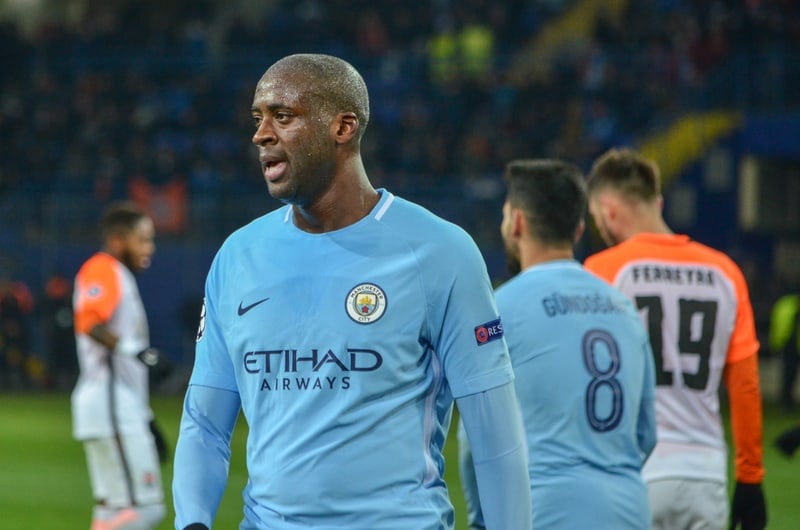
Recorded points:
(255, 120)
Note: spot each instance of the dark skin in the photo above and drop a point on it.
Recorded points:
(134, 249)
(309, 158)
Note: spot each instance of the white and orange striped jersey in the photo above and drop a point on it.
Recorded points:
(111, 394)
(695, 305)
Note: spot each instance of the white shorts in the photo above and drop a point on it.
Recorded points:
(690, 504)
(124, 471)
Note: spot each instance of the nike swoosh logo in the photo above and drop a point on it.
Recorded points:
(245, 309)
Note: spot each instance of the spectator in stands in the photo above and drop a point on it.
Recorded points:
(55, 310)
(16, 307)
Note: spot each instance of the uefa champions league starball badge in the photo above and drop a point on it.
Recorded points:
(365, 303)
(201, 328)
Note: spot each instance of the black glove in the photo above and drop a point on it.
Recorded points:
(196, 526)
(159, 365)
(748, 507)
(160, 441)
(788, 441)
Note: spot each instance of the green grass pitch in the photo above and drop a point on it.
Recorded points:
(44, 484)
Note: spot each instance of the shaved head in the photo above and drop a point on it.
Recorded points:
(331, 84)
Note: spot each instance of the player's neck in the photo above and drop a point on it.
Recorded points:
(112, 251)
(643, 220)
(348, 200)
(533, 253)
(651, 226)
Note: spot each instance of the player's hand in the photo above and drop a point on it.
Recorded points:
(788, 442)
(160, 441)
(159, 365)
(748, 508)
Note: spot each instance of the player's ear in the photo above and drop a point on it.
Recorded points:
(579, 231)
(660, 202)
(345, 127)
(115, 243)
(609, 206)
(518, 226)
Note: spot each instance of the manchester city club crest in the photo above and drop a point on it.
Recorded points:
(365, 303)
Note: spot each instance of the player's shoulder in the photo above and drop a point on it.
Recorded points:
(255, 233)
(257, 229)
(554, 276)
(659, 248)
(99, 264)
(412, 216)
(714, 256)
(597, 289)
(408, 221)
(507, 294)
(257, 226)
(607, 262)
(694, 253)
(99, 259)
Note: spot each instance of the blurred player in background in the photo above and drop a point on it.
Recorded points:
(59, 330)
(16, 308)
(696, 307)
(784, 341)
(343, 325)
(582, 362)
(110, 403)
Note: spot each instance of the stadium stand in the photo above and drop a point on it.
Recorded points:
(108, 101)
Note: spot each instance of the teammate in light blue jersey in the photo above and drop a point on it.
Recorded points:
(344, 325)
(584, 370)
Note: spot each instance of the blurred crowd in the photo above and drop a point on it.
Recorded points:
(151, 100)
(154, 103)
(37, 344)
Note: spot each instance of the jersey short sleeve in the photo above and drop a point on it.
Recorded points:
(212, 366)
(344, 347)
(97, 292)
(695, 304)
(744, 341)
(618, 266)
(469, 334)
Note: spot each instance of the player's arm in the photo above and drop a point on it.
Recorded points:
(129, 347)
(103, 335)
(646, 422)
(98, 294)
(202, 454)
(469, 484)
(493, 424)
(748, 507)
(744, 394)
(742, 382)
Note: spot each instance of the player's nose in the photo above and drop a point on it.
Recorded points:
(265, 134)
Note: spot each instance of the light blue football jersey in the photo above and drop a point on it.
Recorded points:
(347, 349)
(585, 383)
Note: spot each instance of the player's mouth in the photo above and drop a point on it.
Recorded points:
(273, 169)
